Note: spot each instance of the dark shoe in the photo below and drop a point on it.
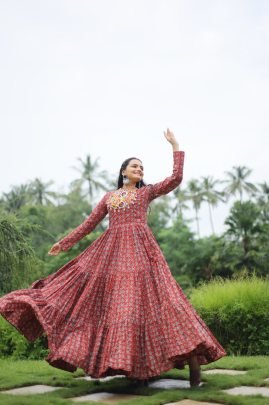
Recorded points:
(141, 383)
(146, 383)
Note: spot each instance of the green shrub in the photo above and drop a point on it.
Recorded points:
(237, 312)
(14, 344)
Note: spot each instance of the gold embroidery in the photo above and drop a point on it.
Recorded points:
(122, 198)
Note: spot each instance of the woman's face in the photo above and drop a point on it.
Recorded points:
(134, 171)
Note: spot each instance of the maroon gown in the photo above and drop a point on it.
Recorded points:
(115, 308)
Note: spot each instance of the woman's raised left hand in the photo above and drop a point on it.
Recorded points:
(170, 137)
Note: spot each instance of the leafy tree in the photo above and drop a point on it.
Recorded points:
(262, 196)
(159, 214)
(244, 223)
(16, 198)
(18, 264)
(245, 227)
(177, 243)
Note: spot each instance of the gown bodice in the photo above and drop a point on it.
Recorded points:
(127, 207)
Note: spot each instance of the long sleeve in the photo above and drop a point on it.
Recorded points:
(171, 182)
(97, 214)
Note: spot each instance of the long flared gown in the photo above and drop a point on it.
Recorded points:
(115, 308)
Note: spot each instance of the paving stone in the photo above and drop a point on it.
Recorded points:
(31, 389)
(168, 383)
(88, 378)
(245, 390)
(224, 371)
(106, 397)
(191, 402)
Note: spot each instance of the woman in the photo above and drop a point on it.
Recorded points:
(116, 308)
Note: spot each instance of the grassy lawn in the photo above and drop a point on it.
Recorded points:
(21, 373)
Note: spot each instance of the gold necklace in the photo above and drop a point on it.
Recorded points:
(122, 198)
(128, 188)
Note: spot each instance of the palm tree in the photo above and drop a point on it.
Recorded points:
(181, 197)
(90, 175)
(237, 183)
(262, 196)
(196, 196)
(16, 198)
(40, 192)
(244, 223)
(263, 192)
(211, 196)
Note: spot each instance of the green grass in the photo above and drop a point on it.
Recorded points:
(22, 372)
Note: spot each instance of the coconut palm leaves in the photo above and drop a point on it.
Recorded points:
(206, 190)
(237, 182)
(211, 196)
(40, 192)
(16, 198)
(91, 176)
(197, 193)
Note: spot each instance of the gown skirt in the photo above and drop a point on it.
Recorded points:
(115, 308)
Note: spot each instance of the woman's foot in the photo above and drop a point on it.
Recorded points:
(195, 371)
(144, 383)
(141, 383)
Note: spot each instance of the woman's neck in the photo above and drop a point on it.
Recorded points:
(133, 187)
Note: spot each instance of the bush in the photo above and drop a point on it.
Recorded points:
(14, 344)
(237, 313)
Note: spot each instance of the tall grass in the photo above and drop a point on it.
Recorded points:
(220, 294)
(237, 311)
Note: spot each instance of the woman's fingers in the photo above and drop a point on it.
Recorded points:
(168, 134)
(55, 250)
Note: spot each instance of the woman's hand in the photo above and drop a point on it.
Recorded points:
(55, 250)
(171, 138)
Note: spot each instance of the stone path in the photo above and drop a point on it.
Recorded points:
(191, 402)
(106, 397)
(31, 389)
(88, 378)
(162, 383)
(224, 371)
(246, 390)
(169, 383)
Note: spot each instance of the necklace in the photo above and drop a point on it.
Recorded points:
(122, 198)
(128, 188)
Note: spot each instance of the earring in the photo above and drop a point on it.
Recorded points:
(125, 180)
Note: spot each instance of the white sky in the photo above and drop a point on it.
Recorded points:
(106, 78)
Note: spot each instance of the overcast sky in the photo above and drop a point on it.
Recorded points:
(106, 78)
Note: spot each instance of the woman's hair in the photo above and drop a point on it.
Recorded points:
(139, 184)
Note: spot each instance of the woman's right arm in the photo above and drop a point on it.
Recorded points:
(97, 214)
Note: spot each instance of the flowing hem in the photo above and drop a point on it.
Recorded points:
(178, 362)
(97, 360)
(29, 313)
